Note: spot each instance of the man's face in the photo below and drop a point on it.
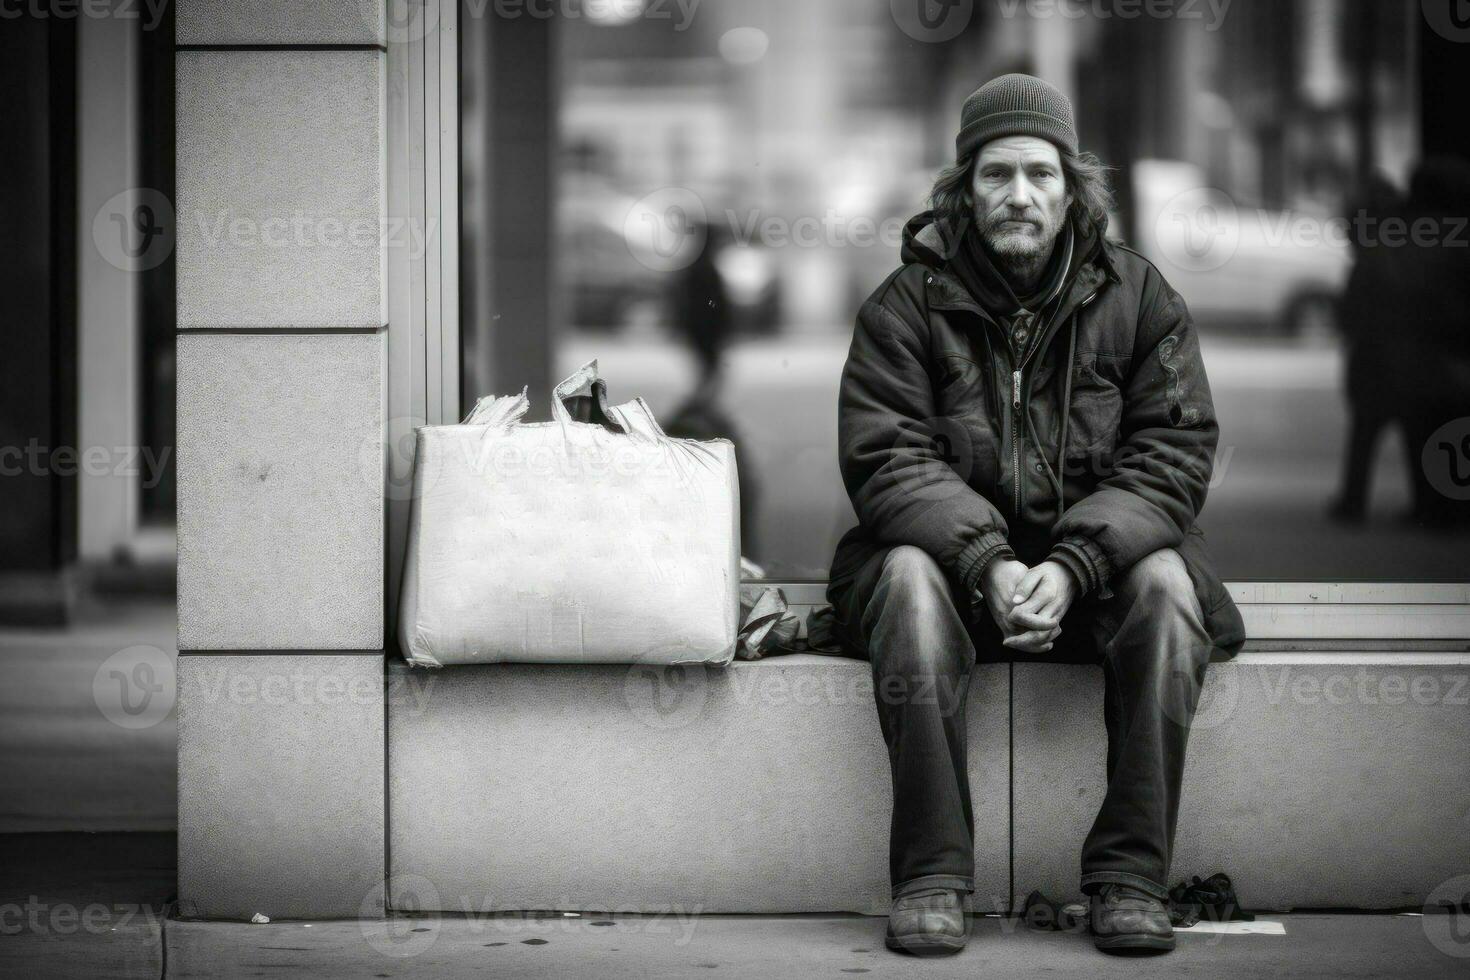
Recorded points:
(1021, 196)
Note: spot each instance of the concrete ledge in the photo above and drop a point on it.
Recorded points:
(280, 785)
(760, 787)
(1314, 780)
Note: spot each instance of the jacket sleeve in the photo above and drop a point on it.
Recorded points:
(897, 457)
(1164, 458)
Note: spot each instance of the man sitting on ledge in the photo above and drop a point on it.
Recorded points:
(1027, 435)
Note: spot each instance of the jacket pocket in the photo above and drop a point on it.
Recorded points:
(1096, 412)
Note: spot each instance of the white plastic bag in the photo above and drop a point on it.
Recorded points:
(570, 541)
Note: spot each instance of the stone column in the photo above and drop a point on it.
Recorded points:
(281, 351)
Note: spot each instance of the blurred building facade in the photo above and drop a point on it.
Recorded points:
(87, 421)
(789, 111)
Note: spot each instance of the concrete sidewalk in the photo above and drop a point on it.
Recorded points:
(75, 906)
(756, 947)
(76, 752)
(84, 905)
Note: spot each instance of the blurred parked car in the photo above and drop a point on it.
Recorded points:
(1237, 265)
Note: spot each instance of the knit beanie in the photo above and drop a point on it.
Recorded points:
(1016, 105)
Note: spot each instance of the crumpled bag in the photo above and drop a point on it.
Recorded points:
(1212, 899)
(769, 627)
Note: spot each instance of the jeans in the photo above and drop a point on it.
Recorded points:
(916, 625)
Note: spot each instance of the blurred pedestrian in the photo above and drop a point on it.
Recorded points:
(1435, 312)
(700, 306)
(1378, 376)
(700, 303)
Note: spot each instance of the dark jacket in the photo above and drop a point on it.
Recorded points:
(947, 444)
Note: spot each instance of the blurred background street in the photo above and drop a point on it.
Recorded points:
(728, 190)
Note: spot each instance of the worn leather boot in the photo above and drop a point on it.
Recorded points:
(928, 922)
(1125, 919)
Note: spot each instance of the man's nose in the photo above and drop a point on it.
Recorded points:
(1018, 195)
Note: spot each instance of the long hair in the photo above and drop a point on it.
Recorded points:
(1085, 176)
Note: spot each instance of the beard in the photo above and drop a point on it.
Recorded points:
(1025, 238)
(1021, 242)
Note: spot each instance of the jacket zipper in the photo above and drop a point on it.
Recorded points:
(1016, 386)
(1016, 438)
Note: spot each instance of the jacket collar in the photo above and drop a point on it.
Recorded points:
(944, 291)
(933, 243)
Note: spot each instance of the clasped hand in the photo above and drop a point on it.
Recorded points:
(1028, 603)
